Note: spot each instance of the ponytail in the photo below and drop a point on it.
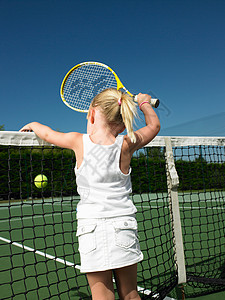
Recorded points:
(128, 112)
(118, 108)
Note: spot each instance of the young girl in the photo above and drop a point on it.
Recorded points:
(107, 228)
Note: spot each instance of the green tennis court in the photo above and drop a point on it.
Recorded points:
(39, 250)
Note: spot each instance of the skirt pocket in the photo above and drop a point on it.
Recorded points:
(125, 233)
(86, 237)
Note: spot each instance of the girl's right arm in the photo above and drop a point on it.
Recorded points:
(147, 133)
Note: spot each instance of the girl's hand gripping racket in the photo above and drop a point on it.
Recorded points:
(84, 81)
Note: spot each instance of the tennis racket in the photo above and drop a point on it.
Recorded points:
(84, 81)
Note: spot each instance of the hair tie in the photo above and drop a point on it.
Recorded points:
(119, 101)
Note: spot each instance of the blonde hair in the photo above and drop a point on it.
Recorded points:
(118, 108)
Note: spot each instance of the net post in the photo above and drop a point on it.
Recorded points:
(172, 186)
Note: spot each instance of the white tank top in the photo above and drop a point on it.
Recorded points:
(103, 188)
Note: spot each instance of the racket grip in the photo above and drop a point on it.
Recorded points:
(154, 101)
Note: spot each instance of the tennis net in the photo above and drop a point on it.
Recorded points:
(178, 189)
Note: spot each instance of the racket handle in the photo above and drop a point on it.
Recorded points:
(154, 102)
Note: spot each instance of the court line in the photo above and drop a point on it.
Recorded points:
(181, 207)
(60, 260)
(20, 218)
(65, 262)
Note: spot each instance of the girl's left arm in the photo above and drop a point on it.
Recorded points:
(64, 140)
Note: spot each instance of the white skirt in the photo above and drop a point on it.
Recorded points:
(106, 244)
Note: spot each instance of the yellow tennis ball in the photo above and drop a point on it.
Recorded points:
(40, 181)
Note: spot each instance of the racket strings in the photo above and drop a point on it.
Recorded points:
(84, 83)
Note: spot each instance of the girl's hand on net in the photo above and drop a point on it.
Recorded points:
(26, 128)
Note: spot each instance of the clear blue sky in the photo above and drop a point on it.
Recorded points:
(175, 48)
